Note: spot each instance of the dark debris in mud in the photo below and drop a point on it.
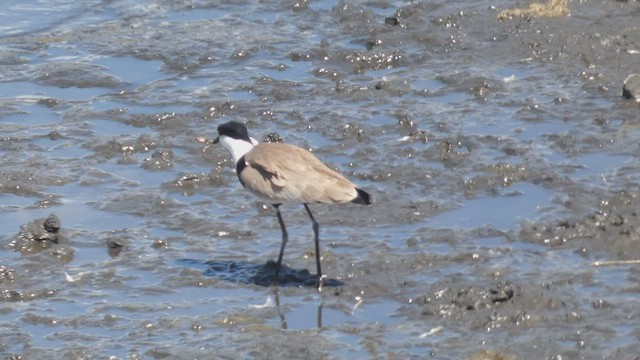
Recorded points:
(447, 300)
(159, 160)
(273, 137)
(25, 295)
(6, 274)
(191, 183)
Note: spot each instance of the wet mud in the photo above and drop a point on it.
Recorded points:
(498, 140)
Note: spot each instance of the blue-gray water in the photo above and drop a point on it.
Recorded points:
(502, 158)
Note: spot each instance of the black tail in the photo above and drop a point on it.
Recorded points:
(362, 198)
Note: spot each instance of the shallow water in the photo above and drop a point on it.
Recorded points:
(501, 155)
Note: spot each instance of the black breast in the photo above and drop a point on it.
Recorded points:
(240, 165)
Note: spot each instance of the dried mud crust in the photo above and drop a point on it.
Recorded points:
(37, 235)
(610, 232)
(494, 305)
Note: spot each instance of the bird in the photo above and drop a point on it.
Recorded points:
(280, 173)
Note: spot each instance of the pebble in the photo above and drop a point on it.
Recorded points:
(631, 87)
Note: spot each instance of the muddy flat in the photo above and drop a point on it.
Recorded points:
(495, 139)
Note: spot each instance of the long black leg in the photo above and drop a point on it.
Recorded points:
(316, 231)
(283, 320)
(285, 238)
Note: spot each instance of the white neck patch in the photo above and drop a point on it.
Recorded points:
(236, 147)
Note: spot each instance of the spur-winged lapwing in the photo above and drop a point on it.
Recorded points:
(281, 173)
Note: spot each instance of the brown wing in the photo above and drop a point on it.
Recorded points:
(287, 173)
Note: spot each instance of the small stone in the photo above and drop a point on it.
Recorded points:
(631, 87)
(49, 102)
(115, 247)
(114, 244)
(55, 135)
(52, 224)
(160, 244)
(391, 20)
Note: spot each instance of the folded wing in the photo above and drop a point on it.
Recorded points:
(287, 173)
